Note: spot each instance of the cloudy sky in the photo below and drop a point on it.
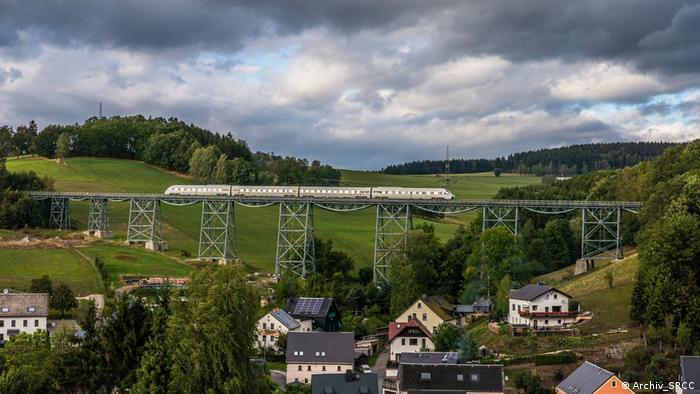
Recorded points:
(363, 83)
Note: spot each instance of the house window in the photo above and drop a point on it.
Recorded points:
(512, 307)
(534, 308)
(31, 309)
(338, 368)
(318, 354)
(14, 323)
(546, 296)
(474, 377)
(422, 343)
(323, 368)
(425, 376)
(264, 326)
(308, 368)
(558, 321)
(414, 315)
(306, 380)
(2, 323)
(555, 296)
(546, 322)
(36, 323)
(413, 341)
(425, 316)
(264, 338)
(5, 309)
(403, 341)
(460, 377)
(323, 354)
(24, 323)
(272, 339)
(272, 326)
(299, 368)
(613, 383)
(419, 306)
(301, 353)
(296, 353)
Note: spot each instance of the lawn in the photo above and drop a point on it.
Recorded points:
(256, 228)
(19, 266)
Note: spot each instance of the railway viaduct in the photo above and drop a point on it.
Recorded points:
(601, 228)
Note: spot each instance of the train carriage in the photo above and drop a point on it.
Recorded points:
(199, 190)
(265, 191)
(397, 193)
(405, 193)
(335, 192)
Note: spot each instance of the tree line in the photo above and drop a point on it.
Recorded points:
(168, 143)
(18, 210)
(202, 345)
(564, 161)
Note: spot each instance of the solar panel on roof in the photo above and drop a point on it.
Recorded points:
(307, 306)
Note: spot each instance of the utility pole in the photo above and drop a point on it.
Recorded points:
(447, 167)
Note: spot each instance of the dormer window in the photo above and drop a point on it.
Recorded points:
(31, 309)
(425, 376)
(460, 377)
(474, 377)
(323, 354)
(5, 309)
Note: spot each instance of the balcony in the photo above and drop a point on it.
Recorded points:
(527, 313)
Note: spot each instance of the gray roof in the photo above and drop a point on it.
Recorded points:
(586, 379)
(320, 310)
(429, 358)
(445, 378)
(15, 304)
(283, 317)
(461, 308)
(530, 292)
(338, 347)
(690, 372)
(341, 383)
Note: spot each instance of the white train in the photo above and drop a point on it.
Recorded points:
(400, 193)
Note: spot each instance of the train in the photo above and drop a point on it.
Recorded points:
(399, 193)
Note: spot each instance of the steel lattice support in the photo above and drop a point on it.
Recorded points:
(295, 239)
(98, 218)
(145, 223)
(60, 213)
(601, 233)
(217, 233)
(509, 217)
(393, 223)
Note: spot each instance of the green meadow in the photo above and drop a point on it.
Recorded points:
(256, 228)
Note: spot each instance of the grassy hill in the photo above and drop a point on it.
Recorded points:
(256, 227)
(608, 306)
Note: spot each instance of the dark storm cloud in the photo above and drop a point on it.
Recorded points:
(654, 35)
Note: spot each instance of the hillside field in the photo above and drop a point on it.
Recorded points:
(256, 228)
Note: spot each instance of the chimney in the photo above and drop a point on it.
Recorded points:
(540, 283)
(349, 376)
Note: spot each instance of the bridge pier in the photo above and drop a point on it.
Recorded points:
(601, 233)
(508, 217)
(98, 218)
(60, 213)
(295, 239)
(145, 225)
(217, 232)
(393, 223)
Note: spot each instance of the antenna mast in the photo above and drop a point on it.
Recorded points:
(100, 109)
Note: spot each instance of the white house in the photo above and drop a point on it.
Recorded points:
(278, 322)
(22, 312)
(408, 337)
(317, 352)
(539, 307)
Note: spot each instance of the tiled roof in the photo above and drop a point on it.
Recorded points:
(457, 378)
(396, 328)
(530, 292)
(321, 347)
(344, 383)
(15, 304)
(586, 379)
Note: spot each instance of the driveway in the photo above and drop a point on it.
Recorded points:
(380, 367)
(279, 377)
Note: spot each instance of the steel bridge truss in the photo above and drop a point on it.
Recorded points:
(601, 233)
(145, 224)
(390, 242)
(98, 218)
(60, 213)
(295, 239)
(508, 217)
(217, 234)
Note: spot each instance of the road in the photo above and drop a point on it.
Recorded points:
(279, 377)
(380, 367)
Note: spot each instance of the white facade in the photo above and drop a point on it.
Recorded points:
(550, 309)
(270, 328)
(301, 372)
(409, 345)
(11, 326)
(22, 313)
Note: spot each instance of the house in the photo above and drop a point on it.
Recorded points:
(689, 375)
(345, 383)
(317, 352)
(323, 312)
(431, 311)
(411, 336)
(449, 378)
(22, 312)
(590, 378)
(539, 307)
(275, 323)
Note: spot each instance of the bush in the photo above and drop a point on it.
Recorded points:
(555, 359)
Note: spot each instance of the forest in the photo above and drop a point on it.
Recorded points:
(564, 161)
(167, 143)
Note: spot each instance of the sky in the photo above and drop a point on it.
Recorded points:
(363, 83)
